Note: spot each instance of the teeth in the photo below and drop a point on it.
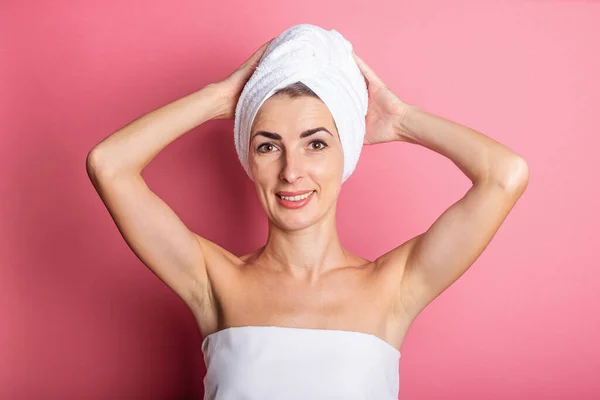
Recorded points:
(296, 198)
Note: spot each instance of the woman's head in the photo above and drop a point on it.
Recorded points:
(295, 147)
(321, 59)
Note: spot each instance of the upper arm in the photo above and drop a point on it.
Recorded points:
(153, 231)
(430, 262)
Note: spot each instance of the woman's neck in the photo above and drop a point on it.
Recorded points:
(305, 254)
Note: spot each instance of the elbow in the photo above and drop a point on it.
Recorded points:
(516, 177)
(96, 165)
(92, 161)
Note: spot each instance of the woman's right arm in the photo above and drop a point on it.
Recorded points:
(149, 226)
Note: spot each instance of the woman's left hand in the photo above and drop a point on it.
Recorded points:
(385, 110)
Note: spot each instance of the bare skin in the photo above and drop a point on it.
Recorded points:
(303, 277)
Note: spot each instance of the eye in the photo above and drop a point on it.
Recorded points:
(260, 148)
(321, 143)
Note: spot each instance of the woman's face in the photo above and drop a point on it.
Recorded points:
(288, 153)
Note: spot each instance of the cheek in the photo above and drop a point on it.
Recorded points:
(256, 163)
(336, 160)
(330, 167)
(265, 173)
(263, 168)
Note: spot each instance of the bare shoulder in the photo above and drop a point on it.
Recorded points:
(215, 253)
(393, 262)
(220, 268)
(391, 267)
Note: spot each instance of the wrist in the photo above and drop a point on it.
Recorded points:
(218, 98)
(401, 127)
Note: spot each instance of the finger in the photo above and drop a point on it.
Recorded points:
(257, 55)
(366, 70)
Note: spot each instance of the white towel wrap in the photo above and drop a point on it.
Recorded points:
(323, 61)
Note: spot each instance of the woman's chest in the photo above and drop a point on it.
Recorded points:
(352, 299)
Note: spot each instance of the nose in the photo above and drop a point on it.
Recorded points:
(291, 170)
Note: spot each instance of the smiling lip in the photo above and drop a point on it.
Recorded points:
(296, 204)
(293, 193)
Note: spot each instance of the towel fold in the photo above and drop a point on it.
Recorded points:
(323, 61)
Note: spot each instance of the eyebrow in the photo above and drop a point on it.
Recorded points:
(304, 134)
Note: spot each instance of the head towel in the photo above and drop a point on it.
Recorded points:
(323, 61)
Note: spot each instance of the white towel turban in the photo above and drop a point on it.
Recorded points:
(323, 61)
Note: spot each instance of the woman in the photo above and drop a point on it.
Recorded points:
(302, 317)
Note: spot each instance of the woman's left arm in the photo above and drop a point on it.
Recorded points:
(430, 262)
(438, 257)
(479, 157)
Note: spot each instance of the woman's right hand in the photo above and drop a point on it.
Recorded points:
(231, 87)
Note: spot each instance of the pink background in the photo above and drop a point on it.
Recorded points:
(82, 317)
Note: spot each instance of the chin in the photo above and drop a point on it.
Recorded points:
(295, 223)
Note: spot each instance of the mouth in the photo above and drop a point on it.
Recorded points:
(294, 196)
(297, 201)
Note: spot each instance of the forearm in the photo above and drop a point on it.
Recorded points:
(478, 156)
(131, 148)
